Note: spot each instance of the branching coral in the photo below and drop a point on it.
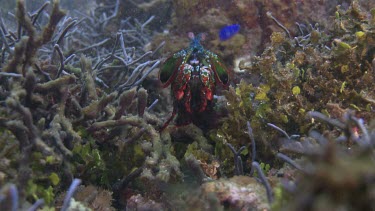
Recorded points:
(161, 158)
(337, 170)
(55, 112)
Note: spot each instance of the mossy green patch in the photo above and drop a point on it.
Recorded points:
(296, 90)
(55, 179)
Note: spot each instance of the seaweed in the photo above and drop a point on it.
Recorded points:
(321, 70)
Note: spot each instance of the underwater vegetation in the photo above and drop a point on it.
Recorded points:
(81, 106)
(326, 71)
(209, 16)
(330, 71)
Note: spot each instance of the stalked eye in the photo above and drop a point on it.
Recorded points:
(169, 70)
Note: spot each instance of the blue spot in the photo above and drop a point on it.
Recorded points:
(228, 31)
